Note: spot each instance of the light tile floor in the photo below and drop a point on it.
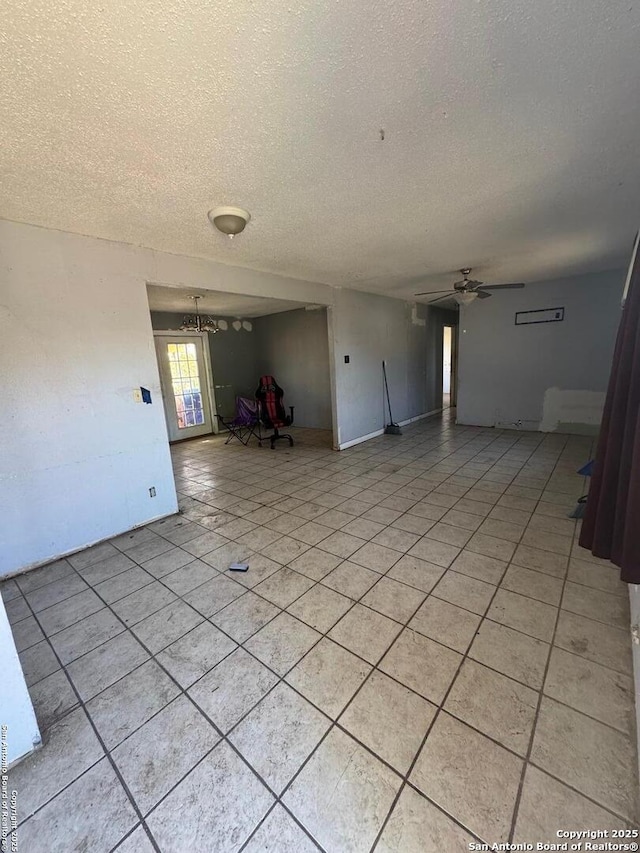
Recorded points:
(420, 656)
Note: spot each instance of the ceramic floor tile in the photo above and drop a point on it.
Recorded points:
(52, 698)
(232, 688)
(450, 534)
(203, 544)
(343, 794)
(137, 606)
(283, 587)
(213, 595)
(378, 558)
(524, 614)
(595, 641)
(458, 518)
(502, 529)
(93, 813)
(260, 537)
(148, 760)
(413, 524)
(446, 623)
(69, 611)
(351, 580)
(598, 577)
(84, 636)
(341, 544)
(464, 591)
(473, 779)
(282, 642)
(536, 585)
(596, 604)
(71, 748)
(29, 581)
(315, 564)
(279, 832)
(390, 719)
(479, 566)
(496, 705)
(168, 561)
(329, 676)
(541, 561)
(136, 842)
(394, 599)
(260, 568)
(547, 804)
(416, 573)
(591, 688)
(320, 607)
(53, 593)
(227, 821)
(194, 654)
(244, 616)
(91, 555)
(398, 540)
(592, 758)
(105, 569)
(130, 702)
(491, 546)
(511, 652)
(105, 665)
(545, 541)
(436, 553)
(287, 549)
(421, 664)
(189, 577)
(365, 632)
(26, 633)
(417, 826)
(166, 625)
(123, 584)
(279, 734)
(363, 528)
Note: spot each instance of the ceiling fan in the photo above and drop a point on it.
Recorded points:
(466, 290)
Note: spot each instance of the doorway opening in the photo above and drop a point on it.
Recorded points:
(447, 367)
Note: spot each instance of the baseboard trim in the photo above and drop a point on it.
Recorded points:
(359, 440)
(379, 432)
(420, 417)
(14, 573)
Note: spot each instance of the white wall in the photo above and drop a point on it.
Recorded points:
(77, 454)
(370, 328)
(293, 346)
(549, 376)
(16, 711)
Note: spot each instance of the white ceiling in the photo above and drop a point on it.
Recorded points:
(511, 131)
(176, 299)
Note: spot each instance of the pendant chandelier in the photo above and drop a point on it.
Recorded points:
(198, 323)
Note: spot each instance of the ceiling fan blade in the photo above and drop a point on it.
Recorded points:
(448, 295)
(482, 294)
(511, 286)
(432, 292)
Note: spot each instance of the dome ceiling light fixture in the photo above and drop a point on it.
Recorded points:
(229, 220)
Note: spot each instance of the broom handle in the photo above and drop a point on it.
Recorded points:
(384, 372)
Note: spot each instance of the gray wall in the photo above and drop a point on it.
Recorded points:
(294, 348)
(233, 360)
(371, 328)
(550, 376)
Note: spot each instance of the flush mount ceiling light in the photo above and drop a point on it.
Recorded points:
(229, 220)
(196, 323)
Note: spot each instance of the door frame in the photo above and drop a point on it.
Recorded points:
(208, 370)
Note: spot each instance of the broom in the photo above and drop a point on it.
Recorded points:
(391, 428)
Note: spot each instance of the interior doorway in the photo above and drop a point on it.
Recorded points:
(183, 364)
(448, 390)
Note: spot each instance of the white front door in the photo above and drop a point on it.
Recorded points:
(185, 388)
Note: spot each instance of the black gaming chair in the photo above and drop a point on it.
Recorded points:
(272, 412)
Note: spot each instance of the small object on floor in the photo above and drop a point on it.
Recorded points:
(580, 509)
(391, 428)
(239, 567)
(587, 469)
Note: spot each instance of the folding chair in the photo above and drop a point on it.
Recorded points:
(272, 412)
(245, 422)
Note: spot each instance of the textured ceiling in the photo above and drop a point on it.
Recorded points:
(510, 132)
(173, 299)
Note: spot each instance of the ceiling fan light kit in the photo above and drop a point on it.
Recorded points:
(467, 290)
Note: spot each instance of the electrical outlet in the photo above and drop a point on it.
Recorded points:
(137, 395)
(152, 492)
